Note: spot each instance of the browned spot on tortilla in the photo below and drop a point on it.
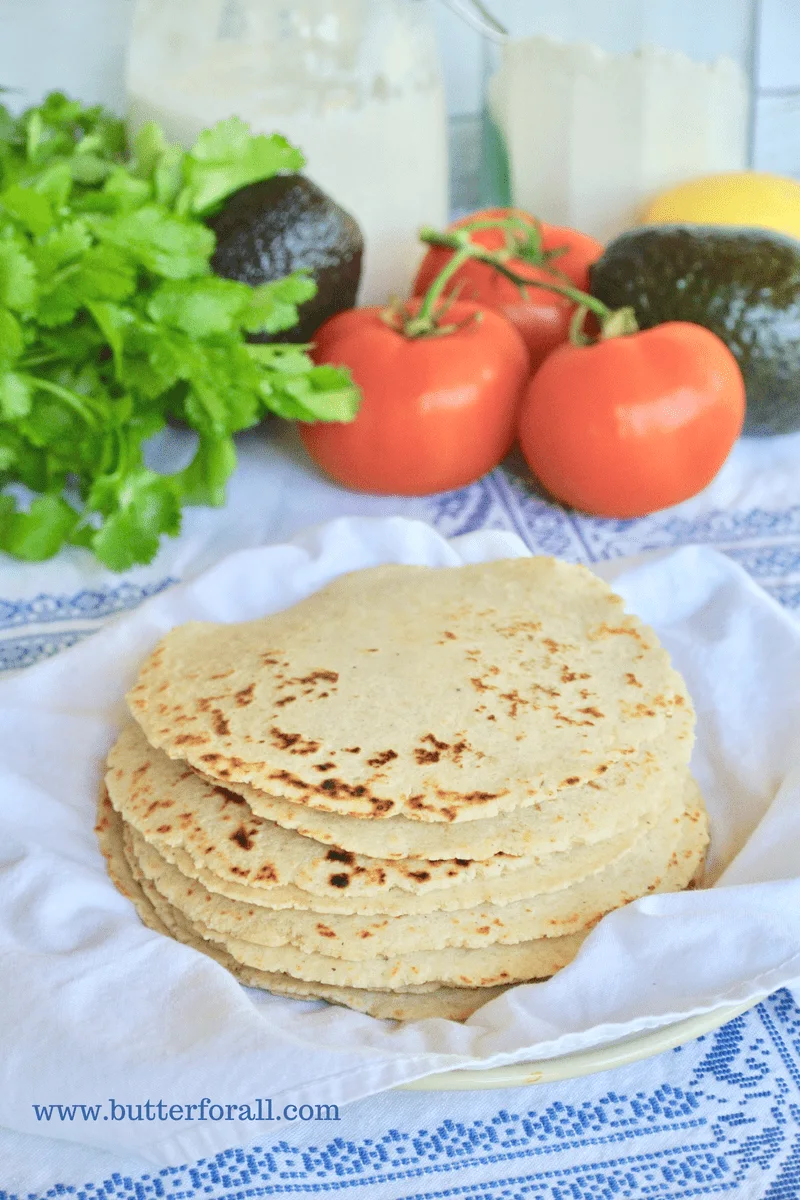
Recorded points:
(338, 786)
(570, 781)
(285, 700)
(324, 766)
(632, 680)
(220, 723)
(267, 873)
(352, 749)
(295, 743)
(229, 797)
(164, 829)
(245, 696)
(519, 627)
(420, 876)
(191, 739)
(480, 686)
(335, 788)
(470, 797)
(565, 720)
(242, 838)
(426, 756)
(592, 712)
(381, 759)
(433, 741)
(222, 674)
(514, 701)
(324, 931)
(604, 631)
(339, 881)
(336, 854)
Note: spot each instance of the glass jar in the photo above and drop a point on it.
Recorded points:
(592, 109)
(356, 84)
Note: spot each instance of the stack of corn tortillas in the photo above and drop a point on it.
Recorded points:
(410, 791)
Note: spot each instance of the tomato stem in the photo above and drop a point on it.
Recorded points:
(425, 320)
(459, 241)
(523, 241)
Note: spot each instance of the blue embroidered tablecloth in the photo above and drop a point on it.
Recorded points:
(719, 1116)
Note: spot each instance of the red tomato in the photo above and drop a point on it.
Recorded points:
(437, 412)
(542, 317)
(633, 424)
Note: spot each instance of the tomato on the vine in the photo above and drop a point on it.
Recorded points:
(633, 423)
(541, 317)
(439, 409)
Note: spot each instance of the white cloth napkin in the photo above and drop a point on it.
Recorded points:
(94, 1006)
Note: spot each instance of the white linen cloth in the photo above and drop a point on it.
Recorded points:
(124, 1012)
(751, 510)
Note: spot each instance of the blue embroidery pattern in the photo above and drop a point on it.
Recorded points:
(25, 651)
(81, 613)
(88, 605)
(765, 543)
(727, 1118)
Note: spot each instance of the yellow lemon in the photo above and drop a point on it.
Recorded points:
(735, 198)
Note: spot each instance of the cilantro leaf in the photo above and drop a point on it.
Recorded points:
(40, 532)
(294, 388)
(131, 534)
(203, 481)
(273, 306)
(15, 396)
(170, 246)
(32, 209)
(227, 158)
(11, 340)
(17, 278)
(201, 307)
(112, 323)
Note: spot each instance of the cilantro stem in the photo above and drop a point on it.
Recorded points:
(72, 399)
(39, 360)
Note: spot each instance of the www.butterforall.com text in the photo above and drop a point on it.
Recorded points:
(260, 1109)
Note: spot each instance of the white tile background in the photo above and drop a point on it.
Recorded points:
(78, 45)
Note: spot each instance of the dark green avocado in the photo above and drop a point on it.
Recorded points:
(267, 230)
(743, 284)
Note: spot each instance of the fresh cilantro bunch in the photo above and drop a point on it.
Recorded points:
(112, 323)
